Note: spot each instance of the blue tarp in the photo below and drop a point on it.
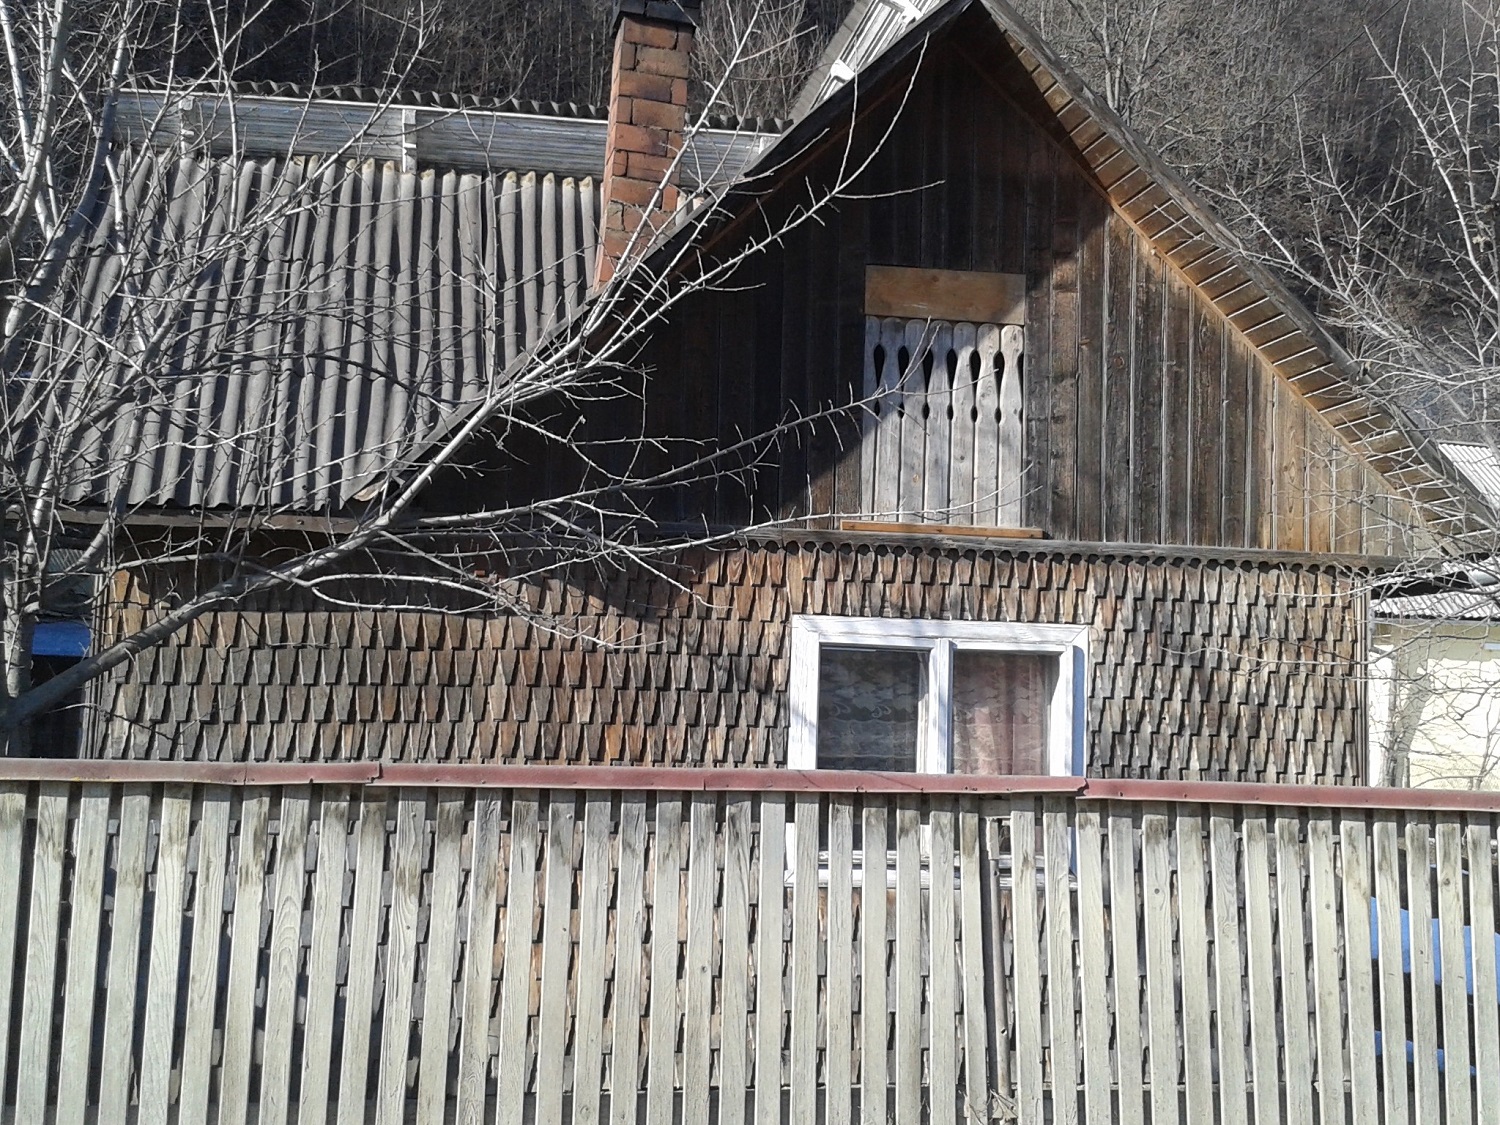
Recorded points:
(66, 639)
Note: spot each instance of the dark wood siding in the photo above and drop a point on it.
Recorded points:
(1200, 668)
(1149, 417)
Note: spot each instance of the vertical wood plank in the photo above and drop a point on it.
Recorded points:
(698, 985)
(1291, 862)
(401, 956)
(666, 898)
(477, 987)
(1260, 960)
(1426, 1105)
(1012, 464)
(209, 925)
(1129, 1050)
(1459, 1102)
(518, 975)
(1330, 1075)
(322, 957)
(625, 1054)
(873, 964)
(166, 941)
(1093, 970)
(244, 955)
(917, 342)
(1481, 856)
(1161, 999)
(935, 495)
(804, 967)
(1229, 973)
(552, 1010)
(1028, 968)
(593, 959)
(838, 1077)
(977, 1083)
(1394, 1070)
(12, 832)
(442, 956)
(34, 1060)
(942, 1016)
(1197, 988)
(1364, 1091)
(769, 1000)
(734, 1072)
(908, 958)
(1061, 972)
(987, 427)
(359, 998)
(285, 946)
(124, 939)
(91, 838)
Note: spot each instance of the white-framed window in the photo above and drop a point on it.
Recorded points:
(985, 697)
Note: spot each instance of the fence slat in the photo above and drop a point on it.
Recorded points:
(322, 957)
(838, 1079)
(1061, 972)
(281, 973)
(1093, 971)
(1359, 988)
(873, 964)
(518, 972)
(557, 895)
(401, 956)
(166, 942)
(442, 956)
(1028, 971)
(697, 993)
(12, 833)
(359, 992)
(624, 1084)
(769, 1001)
(1265, 1082)
(91, 839)
(1426, 1105)
(203, 959)
(477, 986)
(244, 955)
(1291, 862)
(1161, 999)
(124, 942)
(804, 967)
(664, 1014)
(734, 1061)
(1229, 973)
(34, 1060)
(1126, 948)
(593, 960)
(1481, 856)
(977, 1084)
(1459, 1104)
(1193, 927)
(1394, 1070)
(1328, 1002)
(942, 1016)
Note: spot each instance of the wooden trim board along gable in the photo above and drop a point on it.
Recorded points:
(970, 296)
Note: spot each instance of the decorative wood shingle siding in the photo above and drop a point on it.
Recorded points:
(1201, 668)
(1149, 417)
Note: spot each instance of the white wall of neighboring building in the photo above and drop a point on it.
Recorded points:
(1434, 697)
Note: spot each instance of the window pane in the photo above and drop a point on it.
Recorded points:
(1000, 711)
(870, 708)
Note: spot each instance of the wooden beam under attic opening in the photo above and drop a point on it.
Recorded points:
(957, 296)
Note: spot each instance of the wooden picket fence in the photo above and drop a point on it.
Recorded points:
(472, 945)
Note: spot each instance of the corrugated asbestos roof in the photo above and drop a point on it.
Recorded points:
(335, 313)
(877, 34)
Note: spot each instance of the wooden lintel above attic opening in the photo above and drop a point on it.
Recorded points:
(959, 296)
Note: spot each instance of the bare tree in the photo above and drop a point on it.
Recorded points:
(122, 298)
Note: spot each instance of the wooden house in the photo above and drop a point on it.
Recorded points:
(374, 864)
(1087, 490)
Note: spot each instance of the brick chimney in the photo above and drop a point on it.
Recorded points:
(647, 117)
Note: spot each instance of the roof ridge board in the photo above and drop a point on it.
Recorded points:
(267, 125)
